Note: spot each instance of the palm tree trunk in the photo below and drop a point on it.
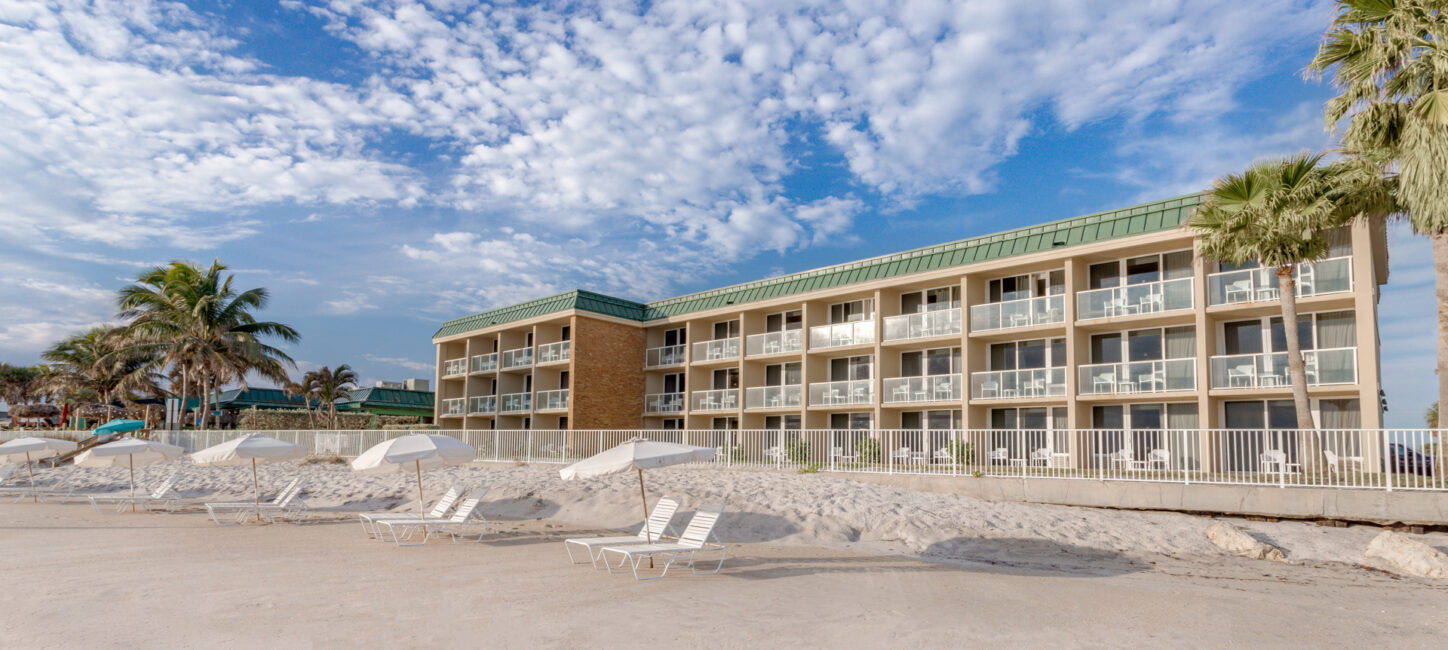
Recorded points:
(205, 402)
(1440, 273)
(1310, 455)
(185, 395)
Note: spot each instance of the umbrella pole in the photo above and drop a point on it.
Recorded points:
(418, 464)
(648, 534)
(31, 470)
(133, 481)
(255, 491)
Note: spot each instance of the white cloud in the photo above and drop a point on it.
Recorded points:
(402, 363)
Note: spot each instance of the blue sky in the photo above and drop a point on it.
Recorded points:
(382, 166)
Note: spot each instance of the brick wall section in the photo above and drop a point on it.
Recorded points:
(607, 375)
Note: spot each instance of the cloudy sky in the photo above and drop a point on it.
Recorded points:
(382, 166)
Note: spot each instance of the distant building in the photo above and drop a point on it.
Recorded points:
(390, 401)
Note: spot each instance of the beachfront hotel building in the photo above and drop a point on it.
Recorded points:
(1102, 321)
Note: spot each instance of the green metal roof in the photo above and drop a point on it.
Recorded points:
(362, 398)
(1086, 229)
(269, 398)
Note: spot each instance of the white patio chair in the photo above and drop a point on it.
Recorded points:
(999, 455)
(1042, 456)
(162, 495)
(1239, 291)
(466, 516)
(1277, 459)
(1335, 462)
(1104, 379)
(1158, 459)
(901, 456)
(695, 540)
(943, 455)
(1122, 459)
(943, 390)
(901, 393)
(774, 454)
(660, 521)
(1244, 375)
(991, 386)
(241, 508)
(439, 510)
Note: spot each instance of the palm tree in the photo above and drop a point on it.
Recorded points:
(196, 321)
(327, 385)
(1388, 60)
(100, 362)
(1276, 213)
(294, 389)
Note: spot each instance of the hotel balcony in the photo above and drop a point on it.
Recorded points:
(1138, 377)
(553, 352)
(774, 397)
(519, 358)
(1269, 369)
(923, 325)
(1011, 384)
(774, 343)
(842, 393)
(1024, 312)
(663, 357)
(842, 334)
(1252, 285)
(453, 367)
(516, 403)
(716, 350)
(485, 362)
(552, 400)
(927, 388)
(483, 405)
(453, 406)
(663, 403)
(1133, 299)
(724, 399)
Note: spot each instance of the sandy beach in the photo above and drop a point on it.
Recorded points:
(815, 561)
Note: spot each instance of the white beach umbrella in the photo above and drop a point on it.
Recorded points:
(31, 449)
(637, 455)
(414, 452)
(129, 452)
(249, 449)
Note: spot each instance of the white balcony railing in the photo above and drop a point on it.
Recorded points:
(842, 334)
(554, 352)
(716, 350)
(519, 358)
(552, 400)
(663, 403)
(485, 362)
(1008, 384)
(1133, 299)
(453, 406)
(516, 403)
(454, 367)
(1332, 275)
(483, 404)
(1138, 377)
(724, 399)
(773, 397)
(927, 388)
(942, 322)
(1024, 312)
(668, 355)
(841, 393)
(1324, 367)
(774, 343)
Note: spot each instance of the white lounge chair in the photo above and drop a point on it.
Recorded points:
(999, 455)
(1335, 462)
(1158, 459)
(467, 515)
(293, 506)
(242, 508)
(439, 511)
(163, 495)
(1274, 461)
(60, 487)
(1041, 456)
(694, 540)
(660, 522)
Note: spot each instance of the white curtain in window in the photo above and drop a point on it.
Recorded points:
(1178, 265)
(1336, 330)
(1181, 343)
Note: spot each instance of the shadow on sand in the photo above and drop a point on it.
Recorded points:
(1010, 556)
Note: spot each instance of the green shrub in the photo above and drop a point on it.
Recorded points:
(810, 468)
(797, 451)
(961, 452)
(868, 449)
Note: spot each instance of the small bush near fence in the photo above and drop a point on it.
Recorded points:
(797, 451)
(409, 427)
(290, 420)
(868, 449)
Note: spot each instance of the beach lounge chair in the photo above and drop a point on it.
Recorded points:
(439, 510)
(59, 487)
(163, 495)
(239, 509)
(293, 506)
(695, 540)
(659, 522)
(467, 515)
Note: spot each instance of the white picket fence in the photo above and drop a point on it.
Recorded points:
(1389, 459)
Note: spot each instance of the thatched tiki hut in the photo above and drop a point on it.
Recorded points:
(33, 412)
(102, 412)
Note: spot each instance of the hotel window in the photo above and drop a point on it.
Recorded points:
(562, 422)
(566, 334)
(785, 422)
(495, 345)
(930, 300)
(1144, 416)
(672, 423)
(724, 424)
(1140, 270)
(726, 378)
(854, 310)
(932, 420)
(783, 374)
(527, 423)
(852, 421)
(940, 361)
(1031, 285)
(851, 368)
(493, 387)
(674, 337)
(1324, 331)
(784, 321)
(528, 340)
(563, 380)
(674, 382)
(1339, 244)
(1024, 355)
(528, 383)
(727, 329)
(1021, 431)
(1153, 344)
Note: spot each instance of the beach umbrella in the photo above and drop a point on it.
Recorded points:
(414, 452)
(250, 449)
(130, 452)
(118, 426)
(637, 455)
(33, 449)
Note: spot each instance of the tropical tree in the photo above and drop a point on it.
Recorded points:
(1431, 416)
(196, 321)
(294, 389)
(100, 362)
(19, 384)
(1389, 62)
(327, 385)
(1277, 213)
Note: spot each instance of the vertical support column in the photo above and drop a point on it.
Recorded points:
(1206, 336)
(877, 384)
(973, 354)
(1366, 239)
(1078, 352)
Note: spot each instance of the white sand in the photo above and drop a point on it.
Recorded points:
(821, 560)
